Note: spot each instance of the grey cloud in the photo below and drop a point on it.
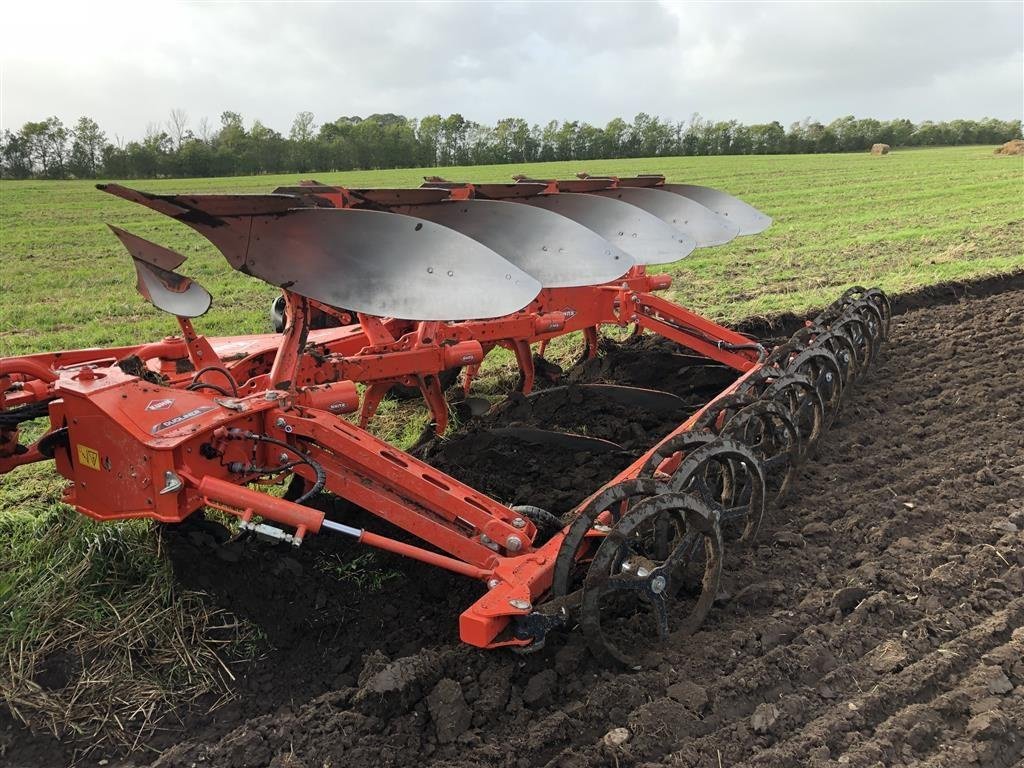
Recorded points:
(127, 66)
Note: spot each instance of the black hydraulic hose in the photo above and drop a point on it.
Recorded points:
(12, 417)
(754, 346)
(304, 458)
(207, 385)
(221, 370)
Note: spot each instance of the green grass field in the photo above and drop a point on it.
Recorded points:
(901, 221)
(907, 219)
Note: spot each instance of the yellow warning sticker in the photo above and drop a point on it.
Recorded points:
(88, 457)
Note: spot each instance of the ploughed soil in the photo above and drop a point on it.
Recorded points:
(877, 620)
(492, 456)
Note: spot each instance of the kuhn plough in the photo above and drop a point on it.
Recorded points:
(405, 288)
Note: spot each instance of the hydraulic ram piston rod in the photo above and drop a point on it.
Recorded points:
(407, 550)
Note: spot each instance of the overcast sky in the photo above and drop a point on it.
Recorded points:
(127, 66)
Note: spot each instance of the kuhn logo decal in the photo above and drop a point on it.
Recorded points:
(160, 405)
(569, 313)
(170, 423)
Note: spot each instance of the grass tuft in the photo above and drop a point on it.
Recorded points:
(102, 648)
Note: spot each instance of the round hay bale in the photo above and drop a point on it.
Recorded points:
(1012, 147)
(880, 149)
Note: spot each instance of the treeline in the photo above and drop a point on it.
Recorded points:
(50, 150)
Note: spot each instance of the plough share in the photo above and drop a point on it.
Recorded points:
(388, 290)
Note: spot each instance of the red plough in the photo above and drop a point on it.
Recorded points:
(387, 288)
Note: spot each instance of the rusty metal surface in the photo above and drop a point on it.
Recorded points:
(401, 196)
(178, 206)
(581, 184)
(509, 191)
(144, 250)
(643, 180)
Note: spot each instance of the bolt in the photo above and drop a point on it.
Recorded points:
(280, 423)
(642, 572)
(492, 583)
(519, 523)
(658, 585)
(271, 395)
(513, 543)
(519, 605)
(283, 458)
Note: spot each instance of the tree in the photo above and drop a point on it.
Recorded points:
(549, 142)
(512, 141)
(615, 137)
(453, 140)
(15, 158)
(46, 144)
(303, 127)
(267, 150)
(177, 125)
(302, 135)
(47, 149)
(204, 131)
(428, 137)
(86, 149)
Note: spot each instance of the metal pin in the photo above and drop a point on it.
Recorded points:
(172, 483)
